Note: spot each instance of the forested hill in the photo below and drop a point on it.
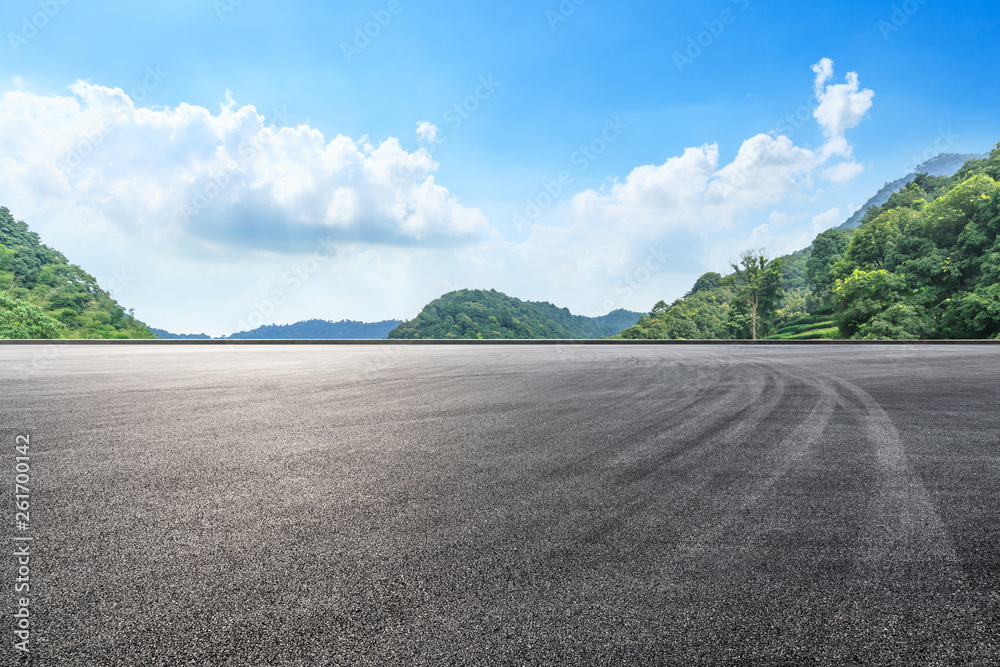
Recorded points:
(42, 295)
(320, 330)
(166, 335)
(489, 314)
(924, 265)
(945, 164)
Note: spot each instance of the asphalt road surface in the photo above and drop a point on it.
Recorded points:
(313, 505)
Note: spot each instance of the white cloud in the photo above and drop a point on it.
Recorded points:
(762, 236)
(693, 191)
(228, 178)
(661, 195)
(841, 106)
(765, 170)
(427, 132)
(826, 220)
(824, 72)
(843, 172)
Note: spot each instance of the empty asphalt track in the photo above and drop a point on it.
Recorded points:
(286, 505)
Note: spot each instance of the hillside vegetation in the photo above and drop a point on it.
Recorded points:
(945, 164)
(489, 314)
(320, 330)
(923, 265)
(42, 295)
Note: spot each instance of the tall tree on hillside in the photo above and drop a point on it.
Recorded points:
(827, 249)
(757, 282)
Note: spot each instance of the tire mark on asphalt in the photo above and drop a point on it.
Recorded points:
(904, 530)
(915, 526)
(707, 429)
(651, 427)
(692, 440)
(792, 449)
(914, 529)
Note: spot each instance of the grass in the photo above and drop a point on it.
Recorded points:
(811, 327)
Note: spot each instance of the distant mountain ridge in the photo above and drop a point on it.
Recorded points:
(306, 330)
(945, 164)
(489, 314)
(166, 335)
(320, 330)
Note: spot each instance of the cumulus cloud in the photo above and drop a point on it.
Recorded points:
(229, 178)
(694, 191)
(694, 207)
(427, 132)
(841, 106)
(654, 194)
(765, 170)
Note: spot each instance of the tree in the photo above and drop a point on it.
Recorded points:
(975, 314)
(827, 250)
(873, 242)
(704, 315)
(19, 319)
(757, 283)
(707, 281)
(864, 296)
(660, 307)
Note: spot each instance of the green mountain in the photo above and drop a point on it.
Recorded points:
(489, 314)
(42, 295)
(925, 264)
(166, 335)
(320, 330)
(945, 164)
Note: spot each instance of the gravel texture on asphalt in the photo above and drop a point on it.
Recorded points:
(307, 505)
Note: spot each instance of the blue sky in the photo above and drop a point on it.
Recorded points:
(308, 225)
